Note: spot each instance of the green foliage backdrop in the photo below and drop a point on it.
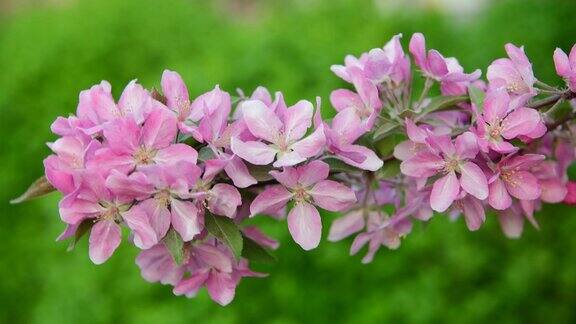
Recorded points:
(442, 273)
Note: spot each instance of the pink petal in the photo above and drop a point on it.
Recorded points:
(191, 285)
(359, 241)
(523, 185)
(418, 50)
(473, 213)
(347, 225)
(467, 145)
(156, 265)
(259, 237)
(261, 120)
(159, 129)
(473, 180)
(313, 172)
(105, 237)
(185, 220)
(224, 200)
(288, 177)
(415, 133)
(122, 135)
(157, 215)
(310, 145)
(305, 225)
(176, 153)
(144, 234)
(238, 172)
(444, 192)
(297, 120)
(553, 190)
(562, 63)
(134, 101)
(496, 105)
(254, 152)
(270, 200)
(332, 195)
(498, 196)
(134, 186)
(221, 287)
(342, 99)
(437, 63)
(370, 161)
(423, 164)
(512, 223)
(287, 159)
(213, 257)
(174, 89)
(520, 122)
(348, 126)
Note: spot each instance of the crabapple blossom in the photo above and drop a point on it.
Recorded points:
(183, 171)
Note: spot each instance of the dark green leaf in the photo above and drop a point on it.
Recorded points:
(37, 189)
(337, 165)
(256, 253)
(175, 246)
(82, 229)
(386, 145)
(390, 169)
(224, 229)
(572, 172)
(260, 172)
(385, 129)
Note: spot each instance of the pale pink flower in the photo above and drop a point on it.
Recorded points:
(566, 66)
(350, 63)
(306, 186)
(345, 130)
(157, 265)
(128, 145)
(513, 74)
(388, 64)
(449, 158)
(500, 121)
(435, 66)
(178, 100)
(379, 232)
(365, 101)
(512, 178)
(279, 134)
(472, 208)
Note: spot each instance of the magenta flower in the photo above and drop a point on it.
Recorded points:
(434, 66)
(163, 191)
(93, 200)
(566, 66)
(512, 178)
(448, 158)
(365, 101)
(346, 129)
(501, 121)
(306, 186)
(215, 268)
(129, 146)
(570, 198)
(279, 134)
(513, 74)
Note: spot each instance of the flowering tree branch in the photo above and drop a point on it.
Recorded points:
(183, 173)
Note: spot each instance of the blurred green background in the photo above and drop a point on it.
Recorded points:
(50, 50)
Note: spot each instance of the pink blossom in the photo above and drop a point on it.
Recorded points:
(129, 146)
(448, 158)
(472, 208)
(279, 134)
(434, 66)
(346, 129)
(566, 66)
(157, 265)
(379, 232)
(513, 74)
(306, 186)
(512, 178)
(388, 64)
(500, 121)
(570, 198)
(178, 100)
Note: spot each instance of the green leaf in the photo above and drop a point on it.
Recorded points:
(256, 253)
(175, 246)
(386, 145)
(572, 172)
(385, 129)
(476, 97)
(442, 103)
(337, 165)
(37, 189)
(224, 229)
(205, 154)
(82, 229)
(390, 169)
(261, 172)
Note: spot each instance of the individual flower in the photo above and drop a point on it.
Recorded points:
(435, 66)
(513, 74)
(379, 232)
(177, 99)
(279, 134)
(365, 101)
(500, 122)
(388, 64)
(345, 130)
(447, 158)
(566, 66)
(512, 178)
(128, 145)
(307, 187)
(164, 191)
(157, 265)
(472, 209)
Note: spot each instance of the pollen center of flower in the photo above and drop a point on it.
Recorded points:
(183, 109)
(450, 165)
(509, 177)
(495, 130)
(144, 156)
(300, 194)
(163, 197)
(111, 212)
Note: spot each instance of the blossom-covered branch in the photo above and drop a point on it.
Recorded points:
(183, 172)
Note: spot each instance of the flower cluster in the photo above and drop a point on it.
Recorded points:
(184, 174)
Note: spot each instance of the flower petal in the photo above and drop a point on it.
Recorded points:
(254, 152)
(473, 180)
(305, 225)
(498, 196)
(444, 192)
(270, 200)
(185, 220)
(346, 225)
(332, 195)
(261, 120)
(105, 237)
